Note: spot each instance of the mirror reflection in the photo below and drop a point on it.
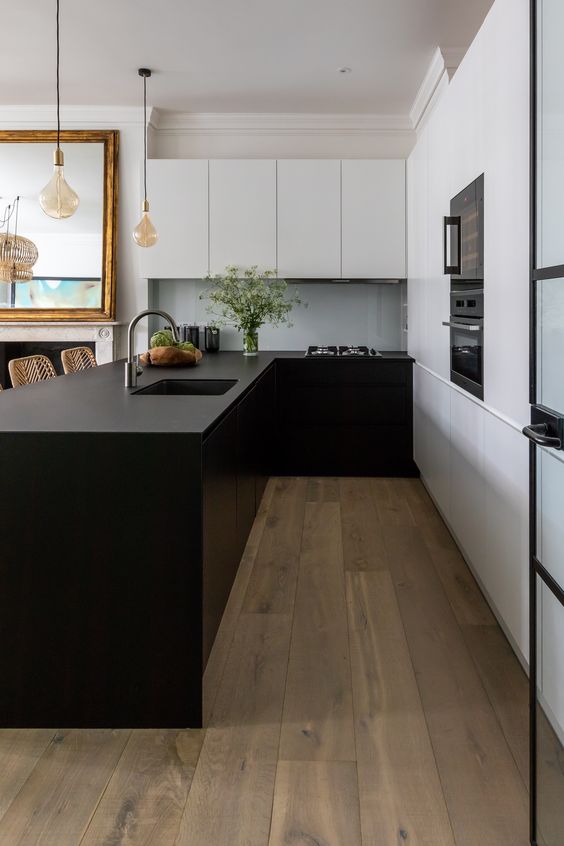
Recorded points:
(73, 272)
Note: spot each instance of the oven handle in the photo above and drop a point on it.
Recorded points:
(452, 220)
(468, 327)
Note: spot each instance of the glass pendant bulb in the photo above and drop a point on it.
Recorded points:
(145, 234)
(57, 199)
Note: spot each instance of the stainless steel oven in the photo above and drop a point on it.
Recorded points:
(467, 338)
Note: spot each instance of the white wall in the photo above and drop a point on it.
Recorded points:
(279, 136)
(471, 454)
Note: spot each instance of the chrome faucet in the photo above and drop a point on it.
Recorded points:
(132, 369)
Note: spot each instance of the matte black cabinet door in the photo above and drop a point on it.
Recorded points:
(221, 545)
(266, 442)
(255, 427)
(345, 418)
(247, 424)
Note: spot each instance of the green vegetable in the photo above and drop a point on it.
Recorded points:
(186, 345)
(162, 338)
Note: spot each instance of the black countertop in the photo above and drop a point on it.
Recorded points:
(96, 401)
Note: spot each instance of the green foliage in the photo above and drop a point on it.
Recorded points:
(247, 299)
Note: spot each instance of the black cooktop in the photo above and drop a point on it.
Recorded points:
(350, 351)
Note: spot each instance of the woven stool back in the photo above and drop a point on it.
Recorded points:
(32, 368)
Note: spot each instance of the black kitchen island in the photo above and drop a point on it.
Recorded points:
(124, 517)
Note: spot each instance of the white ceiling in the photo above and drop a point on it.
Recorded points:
(232, 55)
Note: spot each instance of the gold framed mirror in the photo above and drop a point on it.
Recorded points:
(74, 277)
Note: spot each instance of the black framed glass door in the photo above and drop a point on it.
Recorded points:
(546, 429)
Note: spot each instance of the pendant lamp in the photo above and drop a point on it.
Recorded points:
(145, 234)
(58, 199)
(17, 254)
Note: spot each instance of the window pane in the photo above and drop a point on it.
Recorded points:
(550, 139)
(550, 342)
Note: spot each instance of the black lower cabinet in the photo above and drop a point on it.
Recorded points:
(221, 547)
(119, 549)
(100, 575)
(345, 418)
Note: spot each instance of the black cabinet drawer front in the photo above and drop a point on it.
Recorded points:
(367, 371)
(349, 451)
(343, 405)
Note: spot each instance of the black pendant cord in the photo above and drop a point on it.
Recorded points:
(144, 136)
(58, 84)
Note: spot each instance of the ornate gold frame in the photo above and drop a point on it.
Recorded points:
(110, 139)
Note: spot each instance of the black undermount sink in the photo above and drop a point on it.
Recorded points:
(187, 387)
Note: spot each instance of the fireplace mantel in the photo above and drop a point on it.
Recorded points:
(104, 334)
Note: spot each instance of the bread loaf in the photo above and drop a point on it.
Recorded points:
(170, 357)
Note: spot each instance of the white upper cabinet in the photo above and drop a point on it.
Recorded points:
(309, 218)
(242, 213)
(178, 193)
(373, 209)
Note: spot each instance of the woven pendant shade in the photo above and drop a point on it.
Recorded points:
(17, 257)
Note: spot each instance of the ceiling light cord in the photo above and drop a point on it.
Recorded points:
(58, 82)
(144, 136)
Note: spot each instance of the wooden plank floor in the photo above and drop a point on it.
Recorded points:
(360, 693)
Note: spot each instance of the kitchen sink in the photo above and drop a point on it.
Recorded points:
(187, 387)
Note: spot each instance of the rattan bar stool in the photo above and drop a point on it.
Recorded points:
(32, 368)
(78, 358)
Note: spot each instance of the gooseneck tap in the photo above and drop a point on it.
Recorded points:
(132, 370)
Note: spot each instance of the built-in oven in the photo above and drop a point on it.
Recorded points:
(467, 338)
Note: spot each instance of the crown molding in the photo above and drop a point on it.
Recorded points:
(453, 56)
(44, 116)
(211, 123)
(427, 88)
(445, 61)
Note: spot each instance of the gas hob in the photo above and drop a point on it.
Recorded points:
(350, 351)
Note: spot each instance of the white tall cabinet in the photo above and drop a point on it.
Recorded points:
(373, 209)
(309, 218)
(178, 191)
(242, 213)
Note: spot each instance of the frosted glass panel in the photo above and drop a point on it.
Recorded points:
(550, 122)
(550, 720)
(550, 338)
(550, 528)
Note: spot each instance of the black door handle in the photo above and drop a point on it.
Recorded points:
(538, 433)
(454, 269)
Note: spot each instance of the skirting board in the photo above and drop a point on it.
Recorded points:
(522, 660)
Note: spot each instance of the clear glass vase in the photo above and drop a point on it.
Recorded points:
(250, 342)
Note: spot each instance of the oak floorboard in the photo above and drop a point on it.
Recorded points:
(20, 749)
(224, 638)
(272, 584)
(466, 598)
(317, 722)
(391, 505)
(56, 803)
(230, 801)
(322, 489)
(486, 798)
(418, 501)
(146, 795)
(363, 542)
(316, 804)
(507, 687)
(401, 798)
